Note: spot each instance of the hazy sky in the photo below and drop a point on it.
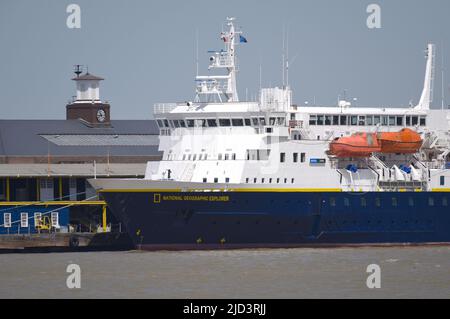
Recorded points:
(145, 50)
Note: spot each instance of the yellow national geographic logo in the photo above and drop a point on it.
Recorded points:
(157, 198)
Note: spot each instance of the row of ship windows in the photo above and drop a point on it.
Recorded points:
(270, 180)
(385, 120)
(255, 180)
(223, 122)
(394, 202)
(24, 219)
(203, 157)
(251, 155)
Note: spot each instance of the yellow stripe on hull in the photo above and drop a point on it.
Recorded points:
(445, 190)
(151, 190)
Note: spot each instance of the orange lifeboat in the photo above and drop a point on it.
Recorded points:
(405, 141)
(356, 145)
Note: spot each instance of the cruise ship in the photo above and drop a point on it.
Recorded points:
(270, 173)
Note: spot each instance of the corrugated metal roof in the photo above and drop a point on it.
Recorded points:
(103, 140)
(76, 170)
(23, 138)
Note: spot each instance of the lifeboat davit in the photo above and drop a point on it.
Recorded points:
(405, 141)
(356, 145)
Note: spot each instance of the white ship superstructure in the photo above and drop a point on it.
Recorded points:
(273, 143)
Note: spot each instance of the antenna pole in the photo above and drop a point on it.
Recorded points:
(442, 76)
(287, 57)
(196, 49)
(260, 73)
(282, 59)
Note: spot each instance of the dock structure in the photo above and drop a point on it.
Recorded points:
(45, 164)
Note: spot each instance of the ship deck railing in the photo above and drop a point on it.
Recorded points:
(406, 185)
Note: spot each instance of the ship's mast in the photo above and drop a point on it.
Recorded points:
(427, 94)
(217, 87)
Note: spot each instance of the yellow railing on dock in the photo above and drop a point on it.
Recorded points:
(53, 203)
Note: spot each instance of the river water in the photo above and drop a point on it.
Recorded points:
(405, 272)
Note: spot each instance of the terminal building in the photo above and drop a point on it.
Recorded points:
(45, 164)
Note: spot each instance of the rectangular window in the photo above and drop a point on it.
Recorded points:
(262, 120)
(205, 179)
(227, 156)
(399, 120)
(320, 120)
(410, 201)
(292, 180)
(362, 120)
(312, 120)
(237, 122)
(377, 202)
(216, 179)
(272, 121)
(302, 157)
(282, 157)
(227, 179)
(369, 120)
(353, 120)
(7, 220)
(263, 180)
(442, 180)
(285, 180)
(327, 119)
(343, 119)
(270, 180)
(391, 120)
(55, 219)
(408, 120)
(385, 120)
(176, 123)
(224, 122)
(23, 219)
(346, 202)
(233, 156)
(415, 120)
(190, 123)
(363, 202)
(37, 219)
(295, 157)
(394, 201)
(254, 180)
(278, 180)
(182, 123)
(376, 120)
(160, 123)
(444, 201)
(423, 122)
(430, 201)
(247, 122)
(246, 180)
(255, 121)
(335, 119)
(212, 122)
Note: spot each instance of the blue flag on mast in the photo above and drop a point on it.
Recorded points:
(242, 39)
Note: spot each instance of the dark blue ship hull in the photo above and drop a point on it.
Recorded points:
(207, 220)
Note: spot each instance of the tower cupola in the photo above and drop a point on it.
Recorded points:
(87, 105)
